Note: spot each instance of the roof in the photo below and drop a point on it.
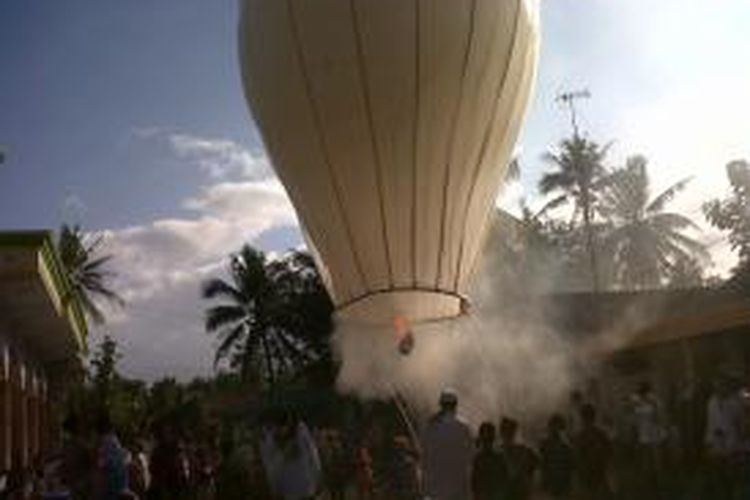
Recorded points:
(36, 301)
(639, 319)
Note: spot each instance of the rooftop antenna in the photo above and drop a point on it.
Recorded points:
(569, 99)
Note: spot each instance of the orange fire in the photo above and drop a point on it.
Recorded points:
(404, 335)
(400, 326)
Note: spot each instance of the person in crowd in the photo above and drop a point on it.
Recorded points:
(489, 472)
(521, 460)
(291, 459)
(251, 453)
(723, 438)
(364, 473)
(50, 484)
(76, 458)
(650, 434)
(184, 468)
(724, 422)
(138, 473)
(393, 463)
(236, 476)
(446, 452)
(593, 452)
(166, 465)
(574, 411)
(201, 472)
(336, 462)
(111, 465)
(557, 460)
(744, 454)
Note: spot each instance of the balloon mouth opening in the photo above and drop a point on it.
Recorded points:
(414, 306)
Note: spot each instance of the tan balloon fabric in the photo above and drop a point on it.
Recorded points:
(390, 123)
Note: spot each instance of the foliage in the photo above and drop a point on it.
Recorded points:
(86, 270)
(732, 214)
(579, 171)
(617, 235)
(578, 176)
(688, 273)
(104, 368)
(275, 318)
(103, 389)
(646, 244)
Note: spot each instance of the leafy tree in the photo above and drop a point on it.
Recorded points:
(86, 271)
(513, 173)
(104, 368)
(579, 171)
(104, 389)
(647, 245)
(164, 396)
(687, 273)
(732, 214)
(275, 317)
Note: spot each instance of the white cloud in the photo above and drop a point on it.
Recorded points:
(73, 208)
(220, 158)
(161, 264)
(148, 132)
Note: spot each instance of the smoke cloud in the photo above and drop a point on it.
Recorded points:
(502, 358)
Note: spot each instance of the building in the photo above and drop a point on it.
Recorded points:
(671, 337)
(42, 338)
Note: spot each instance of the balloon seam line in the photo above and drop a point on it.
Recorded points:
(452, 141)
(321, 140)
(366, 95)
(527, 74)
(486, 140)
(415, 139)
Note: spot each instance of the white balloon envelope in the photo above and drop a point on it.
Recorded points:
(390, 124)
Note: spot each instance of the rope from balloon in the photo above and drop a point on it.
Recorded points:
(408, 422)
(405, 339)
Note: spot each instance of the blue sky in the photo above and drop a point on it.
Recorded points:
(129, 118)
(82, 77)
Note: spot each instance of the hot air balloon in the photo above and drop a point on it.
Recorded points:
(390, 123)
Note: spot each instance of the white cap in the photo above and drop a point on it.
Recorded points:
(448, 397)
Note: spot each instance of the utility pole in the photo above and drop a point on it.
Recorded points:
(569, 99)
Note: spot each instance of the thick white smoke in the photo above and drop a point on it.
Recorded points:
(500, 360)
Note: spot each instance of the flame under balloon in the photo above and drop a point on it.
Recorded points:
(404, 335)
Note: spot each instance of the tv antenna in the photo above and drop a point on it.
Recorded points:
(569, 99)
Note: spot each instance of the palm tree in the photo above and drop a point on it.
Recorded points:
(513, 172)
(578, 178)
(276, 315)
(86, 270)
(648, 245)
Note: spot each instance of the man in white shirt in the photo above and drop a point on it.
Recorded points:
(291, 459)
(723, 439)
(647, 413)
(447, 450)
(724, 419)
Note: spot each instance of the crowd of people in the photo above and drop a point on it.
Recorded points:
(580, 455)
